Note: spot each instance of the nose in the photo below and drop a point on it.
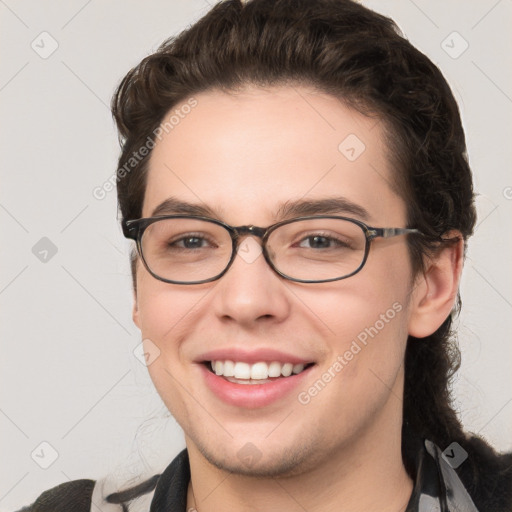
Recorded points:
(250, 292)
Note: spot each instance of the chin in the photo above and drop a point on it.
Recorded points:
(267, 462)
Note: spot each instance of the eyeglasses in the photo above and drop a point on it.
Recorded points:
(182, 249)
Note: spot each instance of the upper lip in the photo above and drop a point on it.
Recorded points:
(251, 356)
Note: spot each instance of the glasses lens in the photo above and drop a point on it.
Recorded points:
(317, 249)
(186, 250)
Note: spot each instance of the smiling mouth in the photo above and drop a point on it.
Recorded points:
(239, 372)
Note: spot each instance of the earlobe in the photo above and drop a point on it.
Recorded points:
(435, 290)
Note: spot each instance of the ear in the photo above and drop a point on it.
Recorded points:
(435, 290)
(135, 310)
(134, 263)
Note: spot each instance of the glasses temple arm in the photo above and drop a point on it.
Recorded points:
(390, 232)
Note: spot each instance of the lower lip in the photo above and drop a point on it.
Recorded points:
(252, 396)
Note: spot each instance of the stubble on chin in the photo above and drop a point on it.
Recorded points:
(252, 461)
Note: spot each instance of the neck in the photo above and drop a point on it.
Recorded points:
(366, 473)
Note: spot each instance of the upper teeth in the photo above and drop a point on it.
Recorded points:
(256, 371)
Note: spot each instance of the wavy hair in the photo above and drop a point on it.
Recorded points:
(346, 50)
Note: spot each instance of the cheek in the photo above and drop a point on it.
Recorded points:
(166, 315)
(348, 317)
(166, 312)
(366, 338)
(375, 298)
(364, 321)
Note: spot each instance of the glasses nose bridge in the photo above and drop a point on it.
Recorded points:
(241, 231)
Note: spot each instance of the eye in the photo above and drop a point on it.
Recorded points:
(191, 241)
(322, 242)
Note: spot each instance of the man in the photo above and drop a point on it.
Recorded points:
(294, 176)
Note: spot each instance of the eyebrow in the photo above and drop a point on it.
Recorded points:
(327, 206)
(287, 210)
(173, 206)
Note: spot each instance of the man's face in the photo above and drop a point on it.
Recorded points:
(244, 156)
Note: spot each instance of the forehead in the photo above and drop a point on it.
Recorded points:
(245, 154)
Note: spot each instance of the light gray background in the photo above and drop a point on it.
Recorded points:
(68, 374)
